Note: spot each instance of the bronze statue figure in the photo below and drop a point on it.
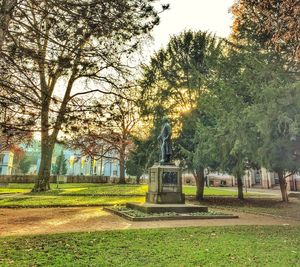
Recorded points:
(165, 140)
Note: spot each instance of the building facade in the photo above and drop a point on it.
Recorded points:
(6, 162)
(264, 179)
(84, 165)
(76, 164)
(261, 178)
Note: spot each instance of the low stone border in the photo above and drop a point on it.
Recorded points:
(169, 218)
(56, 206)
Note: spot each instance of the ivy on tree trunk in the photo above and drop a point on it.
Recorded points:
(240, 187)
(200, 181)
(283, 186)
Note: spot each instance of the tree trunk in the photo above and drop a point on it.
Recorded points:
(199, 178)
(138, 179)
(240, 186)
(48, 140)
(283, 185)
(122, 165)
(42, 183)
(47, 87)
(6, 11)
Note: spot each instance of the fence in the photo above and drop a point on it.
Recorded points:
(70, 179)
(4, 179)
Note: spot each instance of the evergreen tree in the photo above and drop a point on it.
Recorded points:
(60, 166)
(278, 121)
(174, 81)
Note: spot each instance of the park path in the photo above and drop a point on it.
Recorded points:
(86, 219)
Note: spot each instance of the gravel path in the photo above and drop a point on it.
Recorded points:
(61, 220)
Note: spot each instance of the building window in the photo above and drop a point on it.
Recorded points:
(276, 178)
(257, 176)
(1, 158)
(223, 183)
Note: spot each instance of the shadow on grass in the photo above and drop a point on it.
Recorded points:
(14, 200)
(270, 206)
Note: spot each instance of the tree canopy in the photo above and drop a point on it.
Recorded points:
(274, 25)
(54, 46)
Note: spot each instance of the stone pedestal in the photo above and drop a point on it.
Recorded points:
(165, 185)
(165, 192)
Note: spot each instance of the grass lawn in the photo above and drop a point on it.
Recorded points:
(86, 194)
(66, 201)
(209, 191)
(7, 190)
(205, 246)
(260, 205)
(94, 189)
(79, 189)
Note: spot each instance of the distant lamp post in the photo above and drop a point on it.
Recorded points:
(247, 165)
(60, 169)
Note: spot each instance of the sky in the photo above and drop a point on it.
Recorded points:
(204, 15)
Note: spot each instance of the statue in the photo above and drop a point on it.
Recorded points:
(165, 140)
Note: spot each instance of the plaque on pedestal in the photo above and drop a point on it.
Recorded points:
(165, 185)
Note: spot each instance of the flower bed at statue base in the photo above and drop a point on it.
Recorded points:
(136, 215)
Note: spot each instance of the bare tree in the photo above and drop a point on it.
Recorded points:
(109, 137)
(6, 12)
(54, 45)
